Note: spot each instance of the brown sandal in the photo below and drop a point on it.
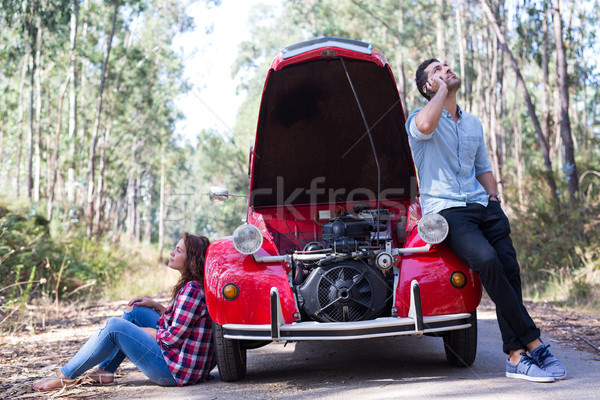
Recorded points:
(64, 383)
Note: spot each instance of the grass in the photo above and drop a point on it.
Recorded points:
(144, 277)
(49, 266)
(580, 287)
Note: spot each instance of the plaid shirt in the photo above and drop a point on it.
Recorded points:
(184, 333)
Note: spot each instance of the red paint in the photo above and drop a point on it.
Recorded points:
(432, 270)
(254, 280)
(376, 56)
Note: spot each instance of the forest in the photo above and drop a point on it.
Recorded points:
(95, 180)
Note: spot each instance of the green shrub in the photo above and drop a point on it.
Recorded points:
(559, 248)
(32, 261)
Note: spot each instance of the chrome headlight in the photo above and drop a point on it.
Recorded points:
(247, 239)
(433, 228)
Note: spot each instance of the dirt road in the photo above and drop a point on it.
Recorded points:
(388, 368)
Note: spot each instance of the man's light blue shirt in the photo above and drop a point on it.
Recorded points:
(448, 161)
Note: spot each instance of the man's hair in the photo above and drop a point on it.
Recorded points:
(421, 77)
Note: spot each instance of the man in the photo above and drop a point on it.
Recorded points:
(457, 182)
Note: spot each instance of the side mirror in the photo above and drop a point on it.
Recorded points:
(217, 193)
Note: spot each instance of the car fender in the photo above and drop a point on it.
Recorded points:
(254, 280)
(432, 271)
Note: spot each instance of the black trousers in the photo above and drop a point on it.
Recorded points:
(479, 236)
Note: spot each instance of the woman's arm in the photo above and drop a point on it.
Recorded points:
(147, 302)
(188, 308)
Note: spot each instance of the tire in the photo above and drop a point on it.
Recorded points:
(461, 345)
(231, 357)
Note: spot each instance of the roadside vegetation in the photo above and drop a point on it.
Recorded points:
(45, 267)
(96, 185)
(559, 247)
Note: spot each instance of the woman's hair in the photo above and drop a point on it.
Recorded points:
(195, 255)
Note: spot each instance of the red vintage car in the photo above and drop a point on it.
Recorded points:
(334, 246)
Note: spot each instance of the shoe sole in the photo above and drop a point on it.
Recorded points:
(560, 377)
(544, 379)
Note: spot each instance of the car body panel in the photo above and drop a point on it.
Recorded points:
(309, 112)
(432, 270)
(254, 280)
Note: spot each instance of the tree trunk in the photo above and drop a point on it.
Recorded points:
(502, 154)
(138, 211)
(557, 118)
(584, 112)
(3, 122)
(546, 106)
(576, 123)
(131, 191)
(96, 128)
(82, 123)
(478, 90)
(115, 214)
(518, 148)
(401, 78)
(32, 68)
(569, 166)
(440, 32)
(101, 183)
(54, 161)
(147, 236)
(72, 103)
(541, 139)
(130, 207)
(161, 212)
(38, 115)
(493, 118)
(461, 50)
(20, 113)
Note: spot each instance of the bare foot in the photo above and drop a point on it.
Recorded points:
(55, 381)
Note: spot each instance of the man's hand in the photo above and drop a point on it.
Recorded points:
(435, 83)
(429, 116)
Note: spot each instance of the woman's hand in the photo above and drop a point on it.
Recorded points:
(147, 302)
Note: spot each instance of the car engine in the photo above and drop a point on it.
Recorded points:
(348, 276)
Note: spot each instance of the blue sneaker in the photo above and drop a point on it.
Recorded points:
(545, 360)
(527, 370)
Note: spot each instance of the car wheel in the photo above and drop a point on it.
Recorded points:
(461, 345)
(231, 357)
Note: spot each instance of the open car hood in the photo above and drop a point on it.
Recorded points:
(311, 143)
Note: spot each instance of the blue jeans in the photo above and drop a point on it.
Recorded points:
(479, 236)
(120, 338)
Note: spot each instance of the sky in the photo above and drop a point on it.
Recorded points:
(213, 103)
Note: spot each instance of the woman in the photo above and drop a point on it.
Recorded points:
(171, 346)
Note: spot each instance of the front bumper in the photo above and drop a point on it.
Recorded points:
(414, 324)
